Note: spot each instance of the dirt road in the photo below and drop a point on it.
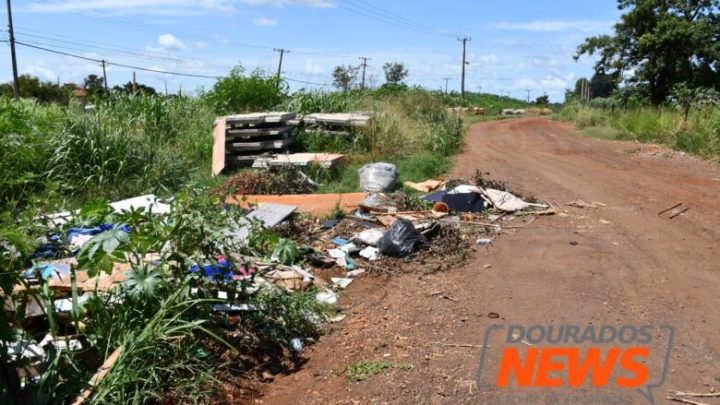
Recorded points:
(619, 264)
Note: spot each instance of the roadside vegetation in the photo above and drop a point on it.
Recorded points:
(656, 78)
(171, 345)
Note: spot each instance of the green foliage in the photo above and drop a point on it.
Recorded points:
(286, 252)
(313, 101)
(395, 72)
(662, 43)
(363, 370)
(542, 100)
(42, 91)
(699, 134)
(239, 93)
(344, 77)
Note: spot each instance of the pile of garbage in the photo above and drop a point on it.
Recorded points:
(434, 227)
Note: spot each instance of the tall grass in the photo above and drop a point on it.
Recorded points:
(129, 145)
(700, 135)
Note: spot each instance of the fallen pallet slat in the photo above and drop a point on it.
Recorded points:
(259, 146)
(98, 376)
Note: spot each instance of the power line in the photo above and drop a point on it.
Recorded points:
(117, 64)
(108, 63)
(118, 51)
(384, 16)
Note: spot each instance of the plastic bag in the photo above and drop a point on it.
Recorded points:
(377, 177)
(401, 239)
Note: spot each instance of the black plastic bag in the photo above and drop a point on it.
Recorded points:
(401, 239)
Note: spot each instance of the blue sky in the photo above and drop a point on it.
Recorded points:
(516, 45)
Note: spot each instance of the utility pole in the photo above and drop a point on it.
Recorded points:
(464, 41)
(446, 84)
(104, 74)
(364, 67)
(134, 84)
(282, 53)
(166, 93)
(11, 37)
(479, 90)
(528, 95)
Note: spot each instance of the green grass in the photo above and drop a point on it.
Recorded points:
(602, 132)
(363, 370)
(700, 135)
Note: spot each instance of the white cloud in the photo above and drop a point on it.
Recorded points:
(313, 67)
(265, 22)
(169, 41)
(281, 3)
(555, 26)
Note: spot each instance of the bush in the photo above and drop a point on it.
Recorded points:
(238, 93)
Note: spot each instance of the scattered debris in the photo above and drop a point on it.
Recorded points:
(583, 204)
(401, 239)
(682, 211)
(505, 201)
(484, 241)
(426, 186)
(370, 253)
(315, 204)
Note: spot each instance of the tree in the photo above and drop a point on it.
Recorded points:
(94, 84)
(603, 85)
(663, 43)
(42, 91)
(345, 76)
(127, 88)
(395, 72)
(542, 100)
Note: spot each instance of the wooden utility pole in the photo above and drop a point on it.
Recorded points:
(446, 84)
(104, 74)
(464, 41)
(528, 95)
(282, 53)
(11, 37)
(134, 83)
(364, 67)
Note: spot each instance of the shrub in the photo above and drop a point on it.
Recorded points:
(238, 93)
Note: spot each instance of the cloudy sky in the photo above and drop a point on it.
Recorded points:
(516, 45)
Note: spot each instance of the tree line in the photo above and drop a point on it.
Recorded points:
(661, 51)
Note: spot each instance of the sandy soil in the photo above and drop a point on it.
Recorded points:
(619, 264)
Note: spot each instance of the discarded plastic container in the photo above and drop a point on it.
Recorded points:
(377, 177)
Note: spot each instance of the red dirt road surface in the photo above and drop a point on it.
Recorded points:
(618, 264)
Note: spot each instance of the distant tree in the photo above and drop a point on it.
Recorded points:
(542, 100)
(662, 43)
(127, 88)
(603, 85)
(395, 72)
(344, 77)
(42, 91)
(94, 84)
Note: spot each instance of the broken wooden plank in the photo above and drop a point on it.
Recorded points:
(324, 160)
(98, 376)
(255, 132)
(260, 118)
(218, 157)
(259, 146)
